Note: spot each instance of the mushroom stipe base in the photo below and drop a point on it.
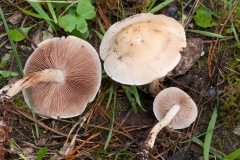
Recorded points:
(47, 75)
(161, 124)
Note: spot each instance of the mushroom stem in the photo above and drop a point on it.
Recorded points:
(47, 75)
(154, 88)
(164, 122)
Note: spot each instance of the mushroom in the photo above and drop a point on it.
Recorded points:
(173, 108)
(62, 75)
(142, 48)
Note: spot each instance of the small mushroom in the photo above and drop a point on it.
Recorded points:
(62, 75)
(142, 48)
(173, 108)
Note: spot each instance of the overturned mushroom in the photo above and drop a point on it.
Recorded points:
(142, 48)
(173, 108)
(62, 74)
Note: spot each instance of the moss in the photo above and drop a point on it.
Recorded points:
(19, 101)
(231, 92)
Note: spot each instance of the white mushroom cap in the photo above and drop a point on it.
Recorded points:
(142, 48)
(80, 66)
(175, 96)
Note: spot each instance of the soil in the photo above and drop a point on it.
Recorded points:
(130, 129)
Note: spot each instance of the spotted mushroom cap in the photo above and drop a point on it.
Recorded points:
(169, 97)
(142, 48)
(81, 66)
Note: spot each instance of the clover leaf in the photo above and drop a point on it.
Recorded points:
(82, 25)
(77, 21)
(68, 22)
(86, 10)
(203, 17)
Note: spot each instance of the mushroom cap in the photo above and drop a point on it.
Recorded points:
(81, 66)
(169, 97)
(142, 48)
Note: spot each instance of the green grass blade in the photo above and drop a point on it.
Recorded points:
(230, 7)
(35, 15)
(136, 95)
(101, 27)
(118, 155)
(98, 34)
(151, 5)
(199, 142)
(52, 12)
(113, 119)
(205, 33)
(129, 91)
(42, 152)
(38, 8)
(110, 95)
(123, 11)
(128, 94)
(160, 6)
(19, 66)
(234, 32)
(233, 155)
(208, 137)
(12, 44)
(33, 113)
(102, 97)
(204, 133)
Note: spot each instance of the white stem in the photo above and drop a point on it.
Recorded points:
(162, 123)
(47, 75)
(153, 87)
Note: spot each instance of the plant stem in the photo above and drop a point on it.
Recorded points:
(11, 42)
(164, 122)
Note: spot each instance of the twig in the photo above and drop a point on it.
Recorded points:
(122, 122)
(68, 8)
(68, 147)
(42, 124)
(196, 4)
(104, 128)
(128, 135)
